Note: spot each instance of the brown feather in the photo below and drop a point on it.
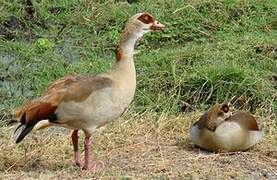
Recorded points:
(80, 90)
(39, 111)
(202, 121)
(209, 119)
(146, 18)
(245, 119)
(71, 88)
(35, 111)
(61, 83)
(119, 54)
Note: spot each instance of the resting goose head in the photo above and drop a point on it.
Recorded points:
(215, 116)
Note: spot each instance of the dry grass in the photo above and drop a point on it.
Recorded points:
(136, 146)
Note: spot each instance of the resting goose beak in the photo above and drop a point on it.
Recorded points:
(157, 26)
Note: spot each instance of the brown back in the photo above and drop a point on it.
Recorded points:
(213, 117)
(245, 119)
(71, 88)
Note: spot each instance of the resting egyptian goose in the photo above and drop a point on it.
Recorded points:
(88, 102)
(219, 130)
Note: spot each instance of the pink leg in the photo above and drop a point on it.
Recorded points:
(87, 152)
(88, 165)
(74, 137)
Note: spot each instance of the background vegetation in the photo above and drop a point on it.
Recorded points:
(211, 51)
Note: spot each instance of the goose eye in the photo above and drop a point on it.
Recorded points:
(225, 108)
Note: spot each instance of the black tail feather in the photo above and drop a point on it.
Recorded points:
(21, 131)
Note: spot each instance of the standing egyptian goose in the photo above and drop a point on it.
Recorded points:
(88, 102)
(221, 131)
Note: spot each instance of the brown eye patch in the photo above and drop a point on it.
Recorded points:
(146, 18)
(225, 108)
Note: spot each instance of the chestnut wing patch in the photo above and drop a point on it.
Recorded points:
(71, 88)
(36, 112)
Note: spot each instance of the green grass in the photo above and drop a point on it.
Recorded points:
(210, 52)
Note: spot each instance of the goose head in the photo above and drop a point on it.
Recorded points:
(142, 23)
(218, 114)
(221, 111)
(135, 28)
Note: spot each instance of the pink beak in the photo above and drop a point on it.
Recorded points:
(157, 26)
